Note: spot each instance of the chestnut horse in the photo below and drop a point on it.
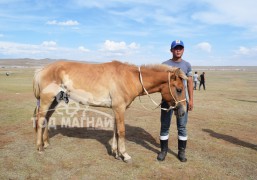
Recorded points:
(113, 84)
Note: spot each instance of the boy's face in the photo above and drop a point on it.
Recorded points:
(177, 51)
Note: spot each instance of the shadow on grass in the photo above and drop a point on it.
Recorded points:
(243, 100)
(134, 134)
(231, 139)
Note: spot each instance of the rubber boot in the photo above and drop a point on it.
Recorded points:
(164, 148)
(182, 150)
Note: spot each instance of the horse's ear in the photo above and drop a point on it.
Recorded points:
(177, 72)
(180, 73)
(173, 74)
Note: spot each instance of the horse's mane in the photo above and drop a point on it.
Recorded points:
(159, 67)
(155, 67)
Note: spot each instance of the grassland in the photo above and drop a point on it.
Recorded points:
(222, 135)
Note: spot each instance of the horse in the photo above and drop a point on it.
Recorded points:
(113, 84)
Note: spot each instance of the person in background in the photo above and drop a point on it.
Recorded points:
(177, 50)
(195, 78)
(202, 81)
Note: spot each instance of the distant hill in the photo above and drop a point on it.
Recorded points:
(223, 68)
(24, 62)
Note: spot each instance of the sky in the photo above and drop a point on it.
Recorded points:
(214, 32)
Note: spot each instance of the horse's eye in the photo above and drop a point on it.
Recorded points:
(179, 90)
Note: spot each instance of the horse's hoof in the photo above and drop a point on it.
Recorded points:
(129, 161)
(46, 145)
(40, 149)
(118, 158)
(40, 152)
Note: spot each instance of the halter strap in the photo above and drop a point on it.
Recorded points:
(141, 81)
(165, 109)
(176, 102)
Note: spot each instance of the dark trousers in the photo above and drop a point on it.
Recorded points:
(202, 83)
(166, 122)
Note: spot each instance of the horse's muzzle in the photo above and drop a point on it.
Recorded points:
(180, 110)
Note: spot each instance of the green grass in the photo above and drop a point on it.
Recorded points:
(16, 95)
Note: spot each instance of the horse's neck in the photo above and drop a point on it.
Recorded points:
(152, 80)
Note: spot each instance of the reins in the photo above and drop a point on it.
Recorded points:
(165, 109)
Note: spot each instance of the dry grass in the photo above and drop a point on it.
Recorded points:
(222, 136)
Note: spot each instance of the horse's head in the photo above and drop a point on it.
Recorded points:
(173, 92)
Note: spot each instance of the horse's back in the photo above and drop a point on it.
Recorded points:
(84, 67)
(95, 83)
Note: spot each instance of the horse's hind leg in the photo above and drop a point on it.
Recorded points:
(46, 109)
(49, 113)
(41, 124)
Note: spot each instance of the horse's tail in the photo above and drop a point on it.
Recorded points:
(36, 81)
(36, 89)
(35, 118)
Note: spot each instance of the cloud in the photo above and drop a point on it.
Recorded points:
(83, 49)
(10, 48)
(50, 49)
(114, 46)
(49, 43)
(118, 46)
(134, 45)
(63, 23)
(247, 51)
(20, 49)
(204, 46)
(237, 13)
(243, 50)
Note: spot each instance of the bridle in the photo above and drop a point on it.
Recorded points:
(165, 109)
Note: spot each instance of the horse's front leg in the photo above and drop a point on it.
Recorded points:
(119, 118)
